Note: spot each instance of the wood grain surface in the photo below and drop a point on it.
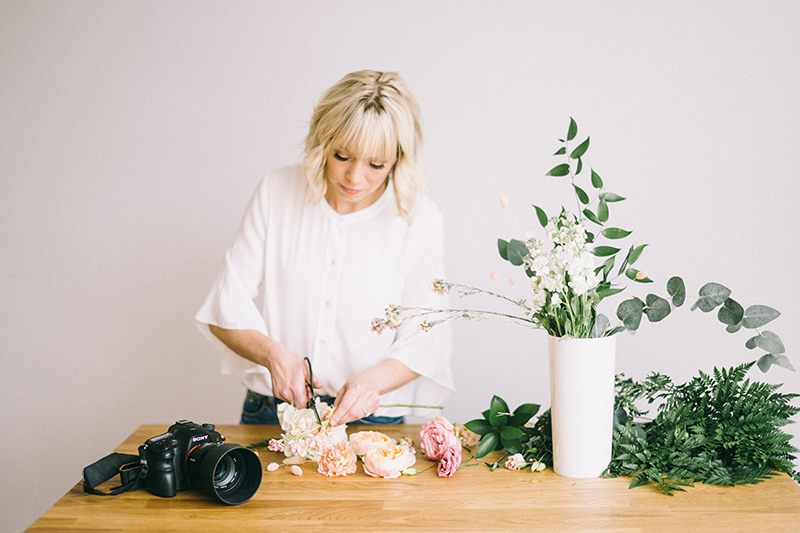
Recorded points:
(474, 500)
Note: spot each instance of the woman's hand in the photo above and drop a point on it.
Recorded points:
(360, 395)
(288, 370)
(290, 376)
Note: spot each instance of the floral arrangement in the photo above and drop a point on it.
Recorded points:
(567, 286)
(304, 439)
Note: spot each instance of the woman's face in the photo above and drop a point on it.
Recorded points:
(353, 183)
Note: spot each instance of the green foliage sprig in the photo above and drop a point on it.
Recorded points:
(718, 429)
(499, 428)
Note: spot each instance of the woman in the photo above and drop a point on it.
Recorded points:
(323, 248)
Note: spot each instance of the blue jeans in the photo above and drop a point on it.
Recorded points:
(260, 409)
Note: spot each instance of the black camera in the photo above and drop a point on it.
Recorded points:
(190, 456)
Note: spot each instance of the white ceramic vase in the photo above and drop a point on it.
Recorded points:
(582, 404)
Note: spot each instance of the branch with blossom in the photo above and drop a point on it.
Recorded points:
(567, 286)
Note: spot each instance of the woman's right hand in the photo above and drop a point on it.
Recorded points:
(288, 370)
(290, 376)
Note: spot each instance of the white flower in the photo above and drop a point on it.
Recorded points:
(555, 300)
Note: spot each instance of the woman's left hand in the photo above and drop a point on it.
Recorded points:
(357, 398)
(360, 395)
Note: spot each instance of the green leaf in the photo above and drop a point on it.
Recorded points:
(734, 328)
(591, 216)
(770, 342)
(597, 181)
(604, 251)
(502, 247)
(511, 433)
(615, 233)
(487, 444)
(677, 290)
(610, 197)
(630, 312)
(605, 293)
(513, 446)
(516, 251)
(498, 412)
(479, 426)
(731, 313)
(634, 253)
(769, 359)
(608, 265)
(578, 152)
(573, 129)
(559, 170)
(579, 166)
(523, 414)
(540, 214)
(657, 308)
(582, 196)
(561, 151)
(711, 295)
(602, 211)
(633, 275)
(758, 315)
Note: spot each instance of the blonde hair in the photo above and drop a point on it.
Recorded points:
(368, 114)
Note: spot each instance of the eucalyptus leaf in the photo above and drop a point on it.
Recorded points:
(559, 170)
(630, 312)
(711, 295)
(770, 342)
(657, 308)
(578, 152)
(517, 251)
(677, 290)
(604, 251)
(573, 129)
(597, 181)
(734, 328)
(610, 197)
(541, 215)
(601, 323)
(769, 359)
(758, 315)
(582, 196)
(731, 313)
(615, 233)
(502, 247)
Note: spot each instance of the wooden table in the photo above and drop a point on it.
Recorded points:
(476, 499)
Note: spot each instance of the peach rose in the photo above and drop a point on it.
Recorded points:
(296, 470)
(388, 463)
(467, 437)
(338, 460)
(363, 441)
(449, 462)
(436, 437)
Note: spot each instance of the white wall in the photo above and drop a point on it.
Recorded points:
(132, 134)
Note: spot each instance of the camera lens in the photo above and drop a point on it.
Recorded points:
(229, 472)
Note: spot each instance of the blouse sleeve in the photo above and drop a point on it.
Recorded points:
(428, 353)
(231, 303)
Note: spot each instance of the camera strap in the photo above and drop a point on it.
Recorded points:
(127, 466)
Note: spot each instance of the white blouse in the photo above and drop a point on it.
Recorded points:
(313, 280)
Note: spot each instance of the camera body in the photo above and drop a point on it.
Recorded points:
(193, 455)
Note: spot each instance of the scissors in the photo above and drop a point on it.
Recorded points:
(312, 402)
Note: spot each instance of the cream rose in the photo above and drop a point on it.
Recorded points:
(388, 463)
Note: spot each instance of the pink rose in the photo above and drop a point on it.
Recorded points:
(273, 467)
(515, 462)
(363, 441)
(338, 460)
(449, 462)
(296, 470)
(436, 437)
(388, 463)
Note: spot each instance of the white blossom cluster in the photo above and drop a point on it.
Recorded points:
(563, 264)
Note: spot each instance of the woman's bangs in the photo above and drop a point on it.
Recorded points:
(369, 136)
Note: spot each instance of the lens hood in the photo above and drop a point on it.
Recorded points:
(228, 472)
